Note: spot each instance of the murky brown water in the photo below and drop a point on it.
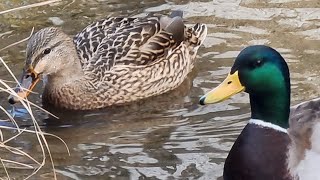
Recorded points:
(169, 136)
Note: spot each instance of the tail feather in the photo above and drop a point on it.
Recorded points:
(196, 35)
(174, 24)
(193, 36)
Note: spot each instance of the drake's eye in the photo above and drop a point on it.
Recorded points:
(257, 63)
(47, 51)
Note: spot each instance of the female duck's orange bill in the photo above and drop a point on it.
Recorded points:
(230, 86)
(27, 83)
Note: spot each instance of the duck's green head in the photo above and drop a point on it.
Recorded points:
(263, 73)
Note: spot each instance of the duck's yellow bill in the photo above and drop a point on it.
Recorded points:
(28, 81)
(230, 86)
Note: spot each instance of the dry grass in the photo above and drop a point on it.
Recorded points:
(36, 131)
(19, 159)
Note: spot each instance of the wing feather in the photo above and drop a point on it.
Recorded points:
(123, 41)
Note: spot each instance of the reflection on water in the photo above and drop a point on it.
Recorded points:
(169, 136)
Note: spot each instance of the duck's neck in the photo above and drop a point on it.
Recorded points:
(68, 91)
(274, 108)
(70, 70)
(67, 75)
(64, 85)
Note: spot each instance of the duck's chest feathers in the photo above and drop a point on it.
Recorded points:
(70, 95)
(260, 152)
(61, 95)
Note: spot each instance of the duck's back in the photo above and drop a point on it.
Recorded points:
(128, 41)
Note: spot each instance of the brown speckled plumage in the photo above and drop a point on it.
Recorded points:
(114, 61)
(304, 119)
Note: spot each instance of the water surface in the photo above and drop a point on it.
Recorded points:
(169, 136)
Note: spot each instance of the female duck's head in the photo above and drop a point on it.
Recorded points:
(263, 73)
(48, 53)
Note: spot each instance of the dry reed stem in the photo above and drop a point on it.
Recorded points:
(44, 133)
(18, 42)
(10, 117)
(19, 152)
(29, 6)
(5, 169)
(37, 131)
(18, 163)
(10, 91)
(40, 135)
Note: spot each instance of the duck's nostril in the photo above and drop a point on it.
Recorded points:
(201, 101)
(11, 100)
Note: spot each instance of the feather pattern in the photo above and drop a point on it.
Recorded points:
(126, 41)
(120, 60)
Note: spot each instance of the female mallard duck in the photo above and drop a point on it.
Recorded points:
(264, 150)
(304, 132)
(112, 61)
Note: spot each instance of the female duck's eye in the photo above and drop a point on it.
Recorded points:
(47, 51)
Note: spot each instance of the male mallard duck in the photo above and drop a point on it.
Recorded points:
(112, 61)
(264, 150)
